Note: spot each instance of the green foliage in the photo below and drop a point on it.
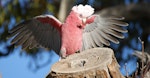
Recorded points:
(31, 9)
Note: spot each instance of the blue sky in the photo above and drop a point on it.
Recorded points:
(16, 66)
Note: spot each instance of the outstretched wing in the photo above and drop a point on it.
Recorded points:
(102, 30)
(41, 31)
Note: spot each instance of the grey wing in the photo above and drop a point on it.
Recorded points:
(34, 33)
(103, 30)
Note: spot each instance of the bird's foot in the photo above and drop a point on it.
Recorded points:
(63, 57)
(63, 54)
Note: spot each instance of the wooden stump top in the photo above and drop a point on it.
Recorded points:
(89, 59)
(91, 63)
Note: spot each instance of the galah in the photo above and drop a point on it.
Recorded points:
(81, 30)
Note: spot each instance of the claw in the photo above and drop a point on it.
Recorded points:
(62, 58)
(63, 53)
(77, 51)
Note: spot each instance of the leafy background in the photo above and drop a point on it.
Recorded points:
(36, 63)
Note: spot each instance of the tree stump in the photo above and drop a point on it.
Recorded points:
(92, 63)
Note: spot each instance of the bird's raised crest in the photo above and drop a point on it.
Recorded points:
(84, 11)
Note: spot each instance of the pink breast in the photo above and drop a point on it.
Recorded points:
(71, 40)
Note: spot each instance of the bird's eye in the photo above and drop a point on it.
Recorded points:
(80, 15)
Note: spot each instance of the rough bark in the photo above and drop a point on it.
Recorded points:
(92, 63)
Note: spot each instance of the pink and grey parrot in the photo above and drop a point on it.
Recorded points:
(81, 30)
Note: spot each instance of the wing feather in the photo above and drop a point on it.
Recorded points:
(38, 32)
(19, 36)
(114, 33)
(92, 40)
(103, 30)
(86, 41)
(96, 38)
(23, 39)
(34, 44)
(117, 28)
(102, 38)
(27, 43)
(16, 28)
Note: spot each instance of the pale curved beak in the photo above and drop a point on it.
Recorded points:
(84, 20)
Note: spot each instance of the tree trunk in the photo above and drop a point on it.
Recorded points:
(92, 63)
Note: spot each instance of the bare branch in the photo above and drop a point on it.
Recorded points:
(130, 12)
